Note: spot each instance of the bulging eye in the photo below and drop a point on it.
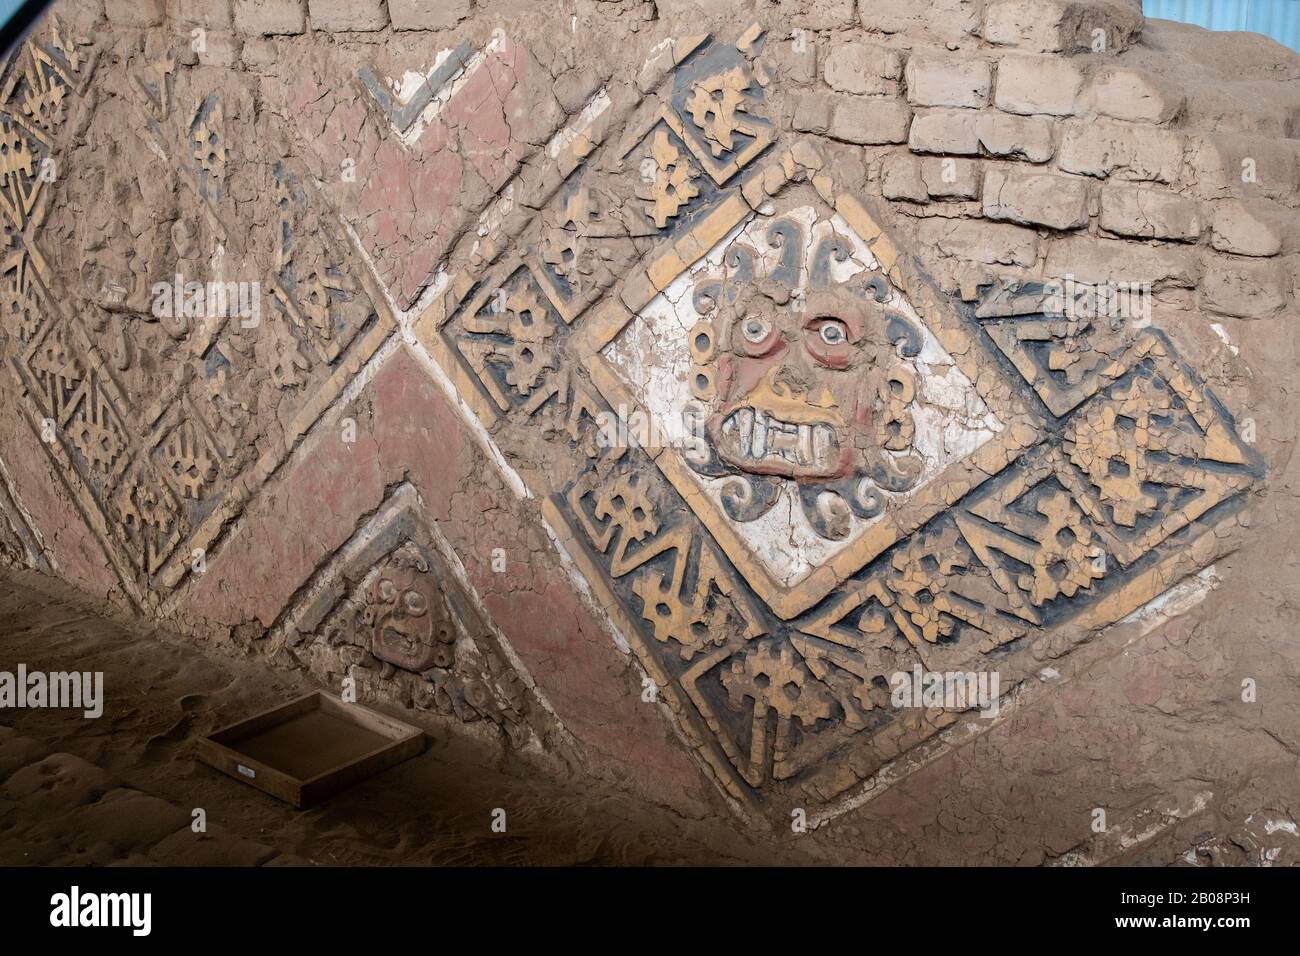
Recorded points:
(755, 329)
(414, 602)
(833, 332)
(387, 590)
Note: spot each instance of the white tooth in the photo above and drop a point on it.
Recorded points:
(822, 442)
(805, 444)
(745, 422)
(760, 434)
(729, 425)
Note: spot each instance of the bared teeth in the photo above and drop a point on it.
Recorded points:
(744, 420)
(823, 437)
(758, 435)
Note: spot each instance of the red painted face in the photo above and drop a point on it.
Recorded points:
(796, 388)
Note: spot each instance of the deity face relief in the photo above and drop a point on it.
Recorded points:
(797, 387)
(410, 626)
(796, 376)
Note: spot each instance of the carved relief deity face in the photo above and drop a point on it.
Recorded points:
(799, 400)
(407, 615)
(797, 387)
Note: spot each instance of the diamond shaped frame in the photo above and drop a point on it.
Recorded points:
(1022, 427)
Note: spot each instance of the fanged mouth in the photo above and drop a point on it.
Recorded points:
(754, 440)
(399, 640)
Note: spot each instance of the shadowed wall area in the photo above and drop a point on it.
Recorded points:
(867, 426)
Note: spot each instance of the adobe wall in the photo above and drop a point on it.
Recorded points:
(642, 386)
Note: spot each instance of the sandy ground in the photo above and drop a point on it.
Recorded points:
(1147, 725)
(123, 787)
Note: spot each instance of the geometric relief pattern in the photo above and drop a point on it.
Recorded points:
(877, 478)
(20, 542)
(392, 609)
(825, 472)
(164, 411)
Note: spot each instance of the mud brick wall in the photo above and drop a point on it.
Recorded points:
(644, 386)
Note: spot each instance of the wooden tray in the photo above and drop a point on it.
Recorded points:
(310, 748)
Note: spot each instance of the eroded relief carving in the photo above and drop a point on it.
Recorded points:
(830, 472)
(179, 352)
(669, 185)
(406, 613)
(821, 471)
(391, 609)
(21, 544)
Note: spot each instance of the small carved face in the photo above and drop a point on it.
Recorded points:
(409, 623)
(796, 388)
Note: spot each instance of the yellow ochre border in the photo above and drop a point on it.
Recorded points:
(1022, 428)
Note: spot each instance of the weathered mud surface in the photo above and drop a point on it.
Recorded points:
(123, 788)
(985, 309)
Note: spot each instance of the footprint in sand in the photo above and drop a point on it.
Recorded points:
(159, 746)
